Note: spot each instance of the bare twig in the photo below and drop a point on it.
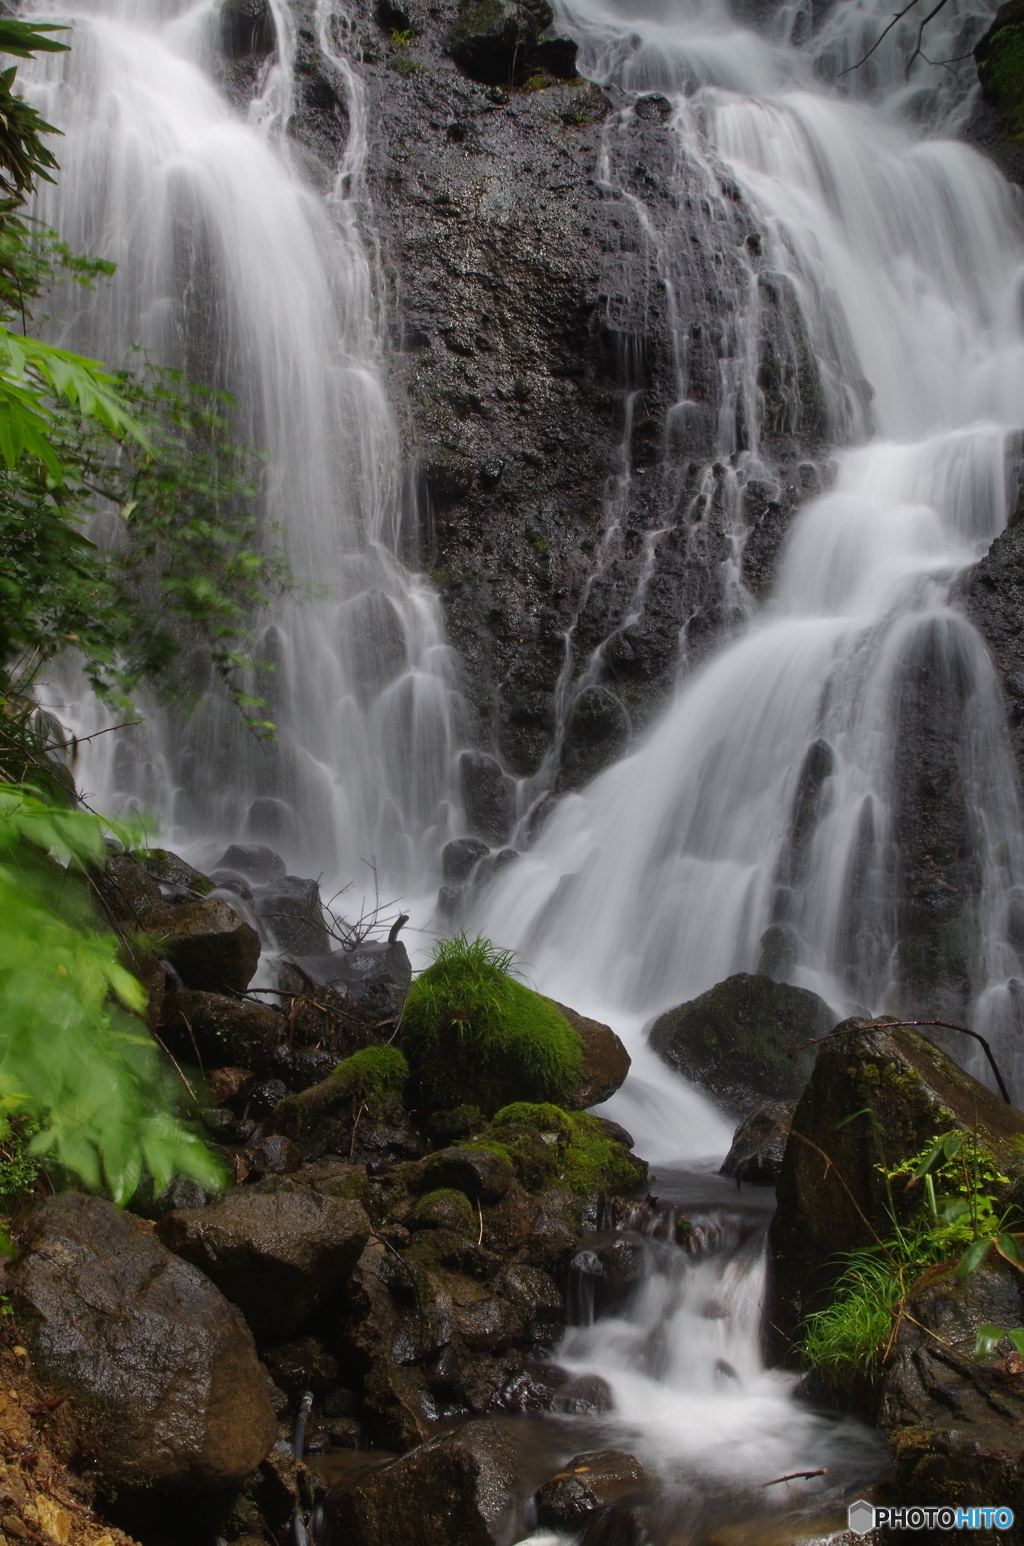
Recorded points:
(355, 1124)
(795, 1476)
(480, 1216)
(839, 1177)
(174, 1060)
(897, 18)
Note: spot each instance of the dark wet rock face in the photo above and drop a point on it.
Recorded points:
(212, 1029)
(454, 1490)
(278, 1255)
(759, 1144)
(209, 945)
(532, 348)
(586, 1483)
(162, 1368)
(745, 1040)
(955, 1424)
(915, 1092)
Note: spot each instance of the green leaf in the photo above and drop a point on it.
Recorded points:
(864, 1111)
(973, 1257)
(27, 38)
(986, 1339)
(1016, 1336)
(1009, 1250)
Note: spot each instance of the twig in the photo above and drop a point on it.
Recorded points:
(920, 36)
(795, 1476)
(948, 1025)
(480, 1216)
(174, 1060)
(355, 1124)
(898, 17)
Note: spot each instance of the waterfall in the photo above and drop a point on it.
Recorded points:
(782, 784)
(693, 1399)
(233, 267)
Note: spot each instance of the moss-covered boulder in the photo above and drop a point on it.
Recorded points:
(356, 1112)
(831, 1190)
(744, 1041)
(499, 41)
(473, 1033)
(444, 1208)
(544, 1144)
(1000, 60)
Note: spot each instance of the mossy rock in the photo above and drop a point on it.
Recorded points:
(745, 1040)
(545, 1144)
(443, 1209)
(474, 1034)
(1000, 60)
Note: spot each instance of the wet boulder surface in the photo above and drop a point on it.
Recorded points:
(759, 1143)
(832, 1195)
(162, 1368)
(745, 1041)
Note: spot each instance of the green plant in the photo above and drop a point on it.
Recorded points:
(75, 1066)
(959, 1217)
(19, 1167)
(367, 1076)
(987, 1337)
(402, 37)
(473, 1033)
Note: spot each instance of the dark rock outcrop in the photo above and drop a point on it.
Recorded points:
(213, 1029)
(454, 1490)
(745, 1040)
(586, 1483)
(477, 1172)
(278, 1255)
(759, 1143)
(830, 1190)
(168, 1387)
(370, 981)
(325, 1119)
(209, 945)
(955, 1424)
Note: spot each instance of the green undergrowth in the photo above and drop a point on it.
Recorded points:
(544, 1143)
(473, 1033)
(960, 1221)
(368, 1076)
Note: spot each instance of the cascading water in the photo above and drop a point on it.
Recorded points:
(774, 790)
(233, 269)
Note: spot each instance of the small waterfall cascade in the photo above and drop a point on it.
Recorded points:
(235, 269)
(782, 784)
(678, 1340)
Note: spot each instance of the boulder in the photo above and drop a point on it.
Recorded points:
(259, 865)
(131, 897)
(745, 1040)
(487, 793)
(371, 980)
(605, 1061)
(759, 1143)
(209, 945)
(477, 1172)
(955, 1424)
(588, 1482)
(293, 915)
(443, 1209)
(214, 1029)
(174, 875)
(323, 1120)
(167, 1384)
(916, 1092)
(455, 1490)
(460, 857)
(278, 1255)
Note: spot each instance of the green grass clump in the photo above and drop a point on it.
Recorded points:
(369, 1075)
(583, 1154)
(847, 1342)
(473, 1033)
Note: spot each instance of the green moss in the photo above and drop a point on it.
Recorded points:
(367, 1076)
(474, 1034)
(444, 1209)
(543, 1142)
(1001, 74)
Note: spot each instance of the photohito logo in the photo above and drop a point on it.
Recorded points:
(864, 1516)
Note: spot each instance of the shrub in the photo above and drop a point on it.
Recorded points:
(369, 1075)
(473, 1033)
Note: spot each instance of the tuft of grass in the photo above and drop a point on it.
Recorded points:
(371, 1074)
(848, 1340)
(473, 1033)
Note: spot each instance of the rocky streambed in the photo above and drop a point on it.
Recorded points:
(458, 1327)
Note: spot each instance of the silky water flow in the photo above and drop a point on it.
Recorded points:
(900, 254)
(232, 268)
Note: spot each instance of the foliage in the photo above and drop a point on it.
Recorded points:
(154, 454)
(473, 1033)
(19, 1167)
(369, 1075)
(72, 1060)
(23, 156)
(960, 1217)
(585, 1156)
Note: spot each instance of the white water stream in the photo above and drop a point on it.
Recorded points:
(232, 267)
(905, 257)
